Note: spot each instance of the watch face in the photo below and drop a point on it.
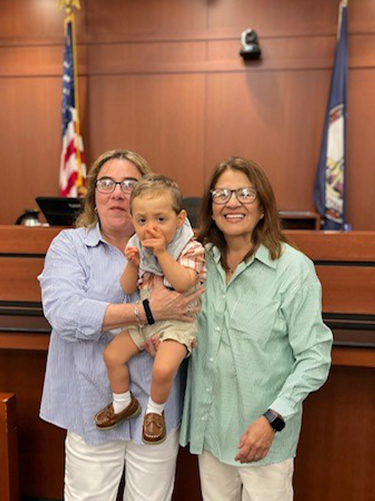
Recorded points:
(275, 421)
(278, 424)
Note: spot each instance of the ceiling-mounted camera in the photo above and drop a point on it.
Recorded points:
(250, 46)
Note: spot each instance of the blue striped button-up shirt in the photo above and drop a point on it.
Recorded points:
(80, 279)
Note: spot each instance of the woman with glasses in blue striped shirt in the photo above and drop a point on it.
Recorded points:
(85, 304)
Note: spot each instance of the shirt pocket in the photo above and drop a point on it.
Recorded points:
(253, 319)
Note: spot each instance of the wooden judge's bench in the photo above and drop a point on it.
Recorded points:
(335, 454)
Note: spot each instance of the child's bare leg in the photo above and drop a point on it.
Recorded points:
(168, 358)
(115, 356)
(124, 405)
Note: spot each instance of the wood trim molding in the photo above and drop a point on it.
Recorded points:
(9, 488)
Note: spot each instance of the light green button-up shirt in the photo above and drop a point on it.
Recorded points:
(261, 344)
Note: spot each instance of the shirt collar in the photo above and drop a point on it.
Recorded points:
(262, 255)
(93, 236)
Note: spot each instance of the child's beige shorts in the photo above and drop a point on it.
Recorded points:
(183, 332)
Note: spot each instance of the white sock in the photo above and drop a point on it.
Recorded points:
(121, 401)
(154, 407)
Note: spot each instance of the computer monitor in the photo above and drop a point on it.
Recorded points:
(192, 205)
(60, 211)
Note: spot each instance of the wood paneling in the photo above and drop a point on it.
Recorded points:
(337, 439)
(147, 58)
(361, 152)
(160, 117)
(9, 486)
(41, 446)
(275, 18)
(22, 341)
(23, 240)
(115, 19)
(30, 132)
(18, 279)
(334, 246)
(353, 357)
(261, 103)
(360, 298)
(165, 78)
(40, 20)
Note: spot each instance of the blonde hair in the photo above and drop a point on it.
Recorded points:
(157, 183)
(268, 229)
(89, 217)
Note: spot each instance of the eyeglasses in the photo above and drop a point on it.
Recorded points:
(245, 195)
(108, 185)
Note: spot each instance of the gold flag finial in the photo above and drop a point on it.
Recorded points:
(68, 5)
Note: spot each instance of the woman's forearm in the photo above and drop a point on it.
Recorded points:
(164, 305)
(121, 315)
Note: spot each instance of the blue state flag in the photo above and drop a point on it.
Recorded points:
(329, 189)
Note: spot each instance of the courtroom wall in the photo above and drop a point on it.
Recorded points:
(164, 77)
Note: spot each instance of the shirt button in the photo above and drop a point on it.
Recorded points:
(217, 329)
(204, 418)
(211, 359)
(208, 389)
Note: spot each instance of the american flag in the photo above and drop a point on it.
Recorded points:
(72, 164)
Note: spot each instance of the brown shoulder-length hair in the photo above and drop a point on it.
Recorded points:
(89, 217)
(267, 231)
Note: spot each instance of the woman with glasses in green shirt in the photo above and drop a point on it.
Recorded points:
(262, 346)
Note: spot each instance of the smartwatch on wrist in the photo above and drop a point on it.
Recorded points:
(275, 420)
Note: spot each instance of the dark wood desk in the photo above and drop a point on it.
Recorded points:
(337, 441)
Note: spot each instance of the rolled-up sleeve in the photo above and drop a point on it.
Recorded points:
(311, 342)
(64, 282)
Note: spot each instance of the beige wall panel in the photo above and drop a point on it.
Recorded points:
(277, 54)
(272, 110)
(116, 19)
(361, 52)
(25, 61)
(275, 17)
(38, 60)
(159, 116)
(129, 58)
(361, 16)
(212, 56)
(34, 19)
(30, 141)
(274, 118)
(337, 430)
(360, 149)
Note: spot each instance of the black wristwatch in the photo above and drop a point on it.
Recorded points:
(275, 420)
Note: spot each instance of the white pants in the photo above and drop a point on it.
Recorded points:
(222, 482)
(93, 472)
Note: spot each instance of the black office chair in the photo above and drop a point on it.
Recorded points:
(192, 205)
